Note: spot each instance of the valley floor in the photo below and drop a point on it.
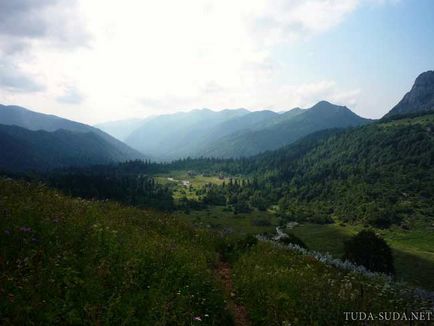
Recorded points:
(413, 249)
(71, 261)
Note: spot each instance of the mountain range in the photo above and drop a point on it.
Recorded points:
(32, 140)
(292, 126)
(229, 133)
(419, 99)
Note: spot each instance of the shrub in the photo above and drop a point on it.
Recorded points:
(231, 248)
(292, 239)
(282, 287)
(371, 251)
(261, 222)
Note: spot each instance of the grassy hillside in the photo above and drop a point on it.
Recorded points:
(71, 261)
(413, 250)
(282, 287)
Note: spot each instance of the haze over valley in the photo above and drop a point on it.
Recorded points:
(216, 162)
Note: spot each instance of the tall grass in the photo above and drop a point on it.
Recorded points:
(74, 262)
(279, 286)
(71, 261)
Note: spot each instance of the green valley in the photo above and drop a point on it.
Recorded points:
(72, 261)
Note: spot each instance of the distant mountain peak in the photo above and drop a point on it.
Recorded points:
(12, 115)
(327, 105)
(419, 99)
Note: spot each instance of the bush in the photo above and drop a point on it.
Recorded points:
(371, 251)
(231, 248)
(261, 222)
(241, 207)
(292, 239)
(282, 287)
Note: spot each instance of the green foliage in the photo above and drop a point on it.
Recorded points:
(380, 174)
(281, 287)
(413, 250)
(233, 247)
(140, 190)
(28, 150)
(71, 261)
(292, 239)
(369, 250)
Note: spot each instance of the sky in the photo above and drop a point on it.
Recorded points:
(100, 60)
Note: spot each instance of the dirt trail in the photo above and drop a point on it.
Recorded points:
(224, 273)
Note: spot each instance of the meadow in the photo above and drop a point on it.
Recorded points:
(71, 261)
(282, 287)
(413, 249)
(218, 218)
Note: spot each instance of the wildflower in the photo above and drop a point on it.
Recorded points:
(25, 229)
(197, 318)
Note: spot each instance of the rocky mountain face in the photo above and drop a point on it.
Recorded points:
(419, 99)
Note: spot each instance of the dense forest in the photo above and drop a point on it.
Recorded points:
(379, 174)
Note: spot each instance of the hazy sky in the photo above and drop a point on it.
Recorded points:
(100, 60)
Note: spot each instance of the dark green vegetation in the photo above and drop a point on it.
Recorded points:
(380, 174)
(280, 286)
(71, 261)
(17, 116)
(31, 140)
(292, 239)
(419, 99)
(413, 250)
(26, 150)
(369, 250)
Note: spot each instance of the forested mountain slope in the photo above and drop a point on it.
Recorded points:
(22, 149)
(12, 115)
(381, 173)
(323, 115)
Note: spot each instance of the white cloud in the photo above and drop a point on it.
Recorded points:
(71, 95)
(135, 57)
(13, 79)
